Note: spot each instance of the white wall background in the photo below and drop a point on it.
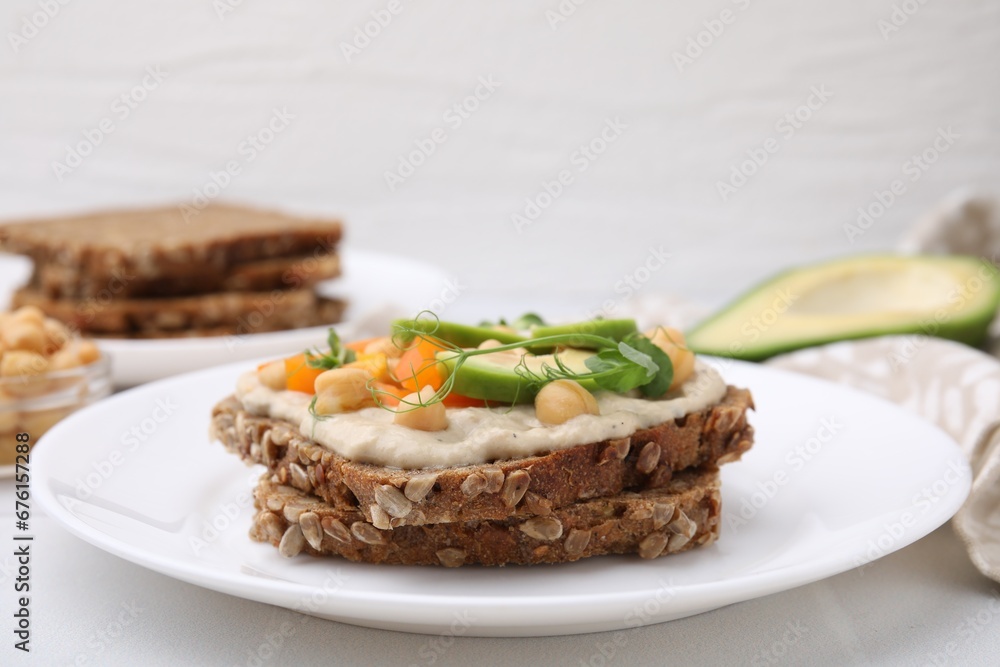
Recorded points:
(656, 185)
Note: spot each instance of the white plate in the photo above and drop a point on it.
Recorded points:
(377, 287)
(172, 502)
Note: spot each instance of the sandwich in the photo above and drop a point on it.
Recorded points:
(447, 444)
(152, 273)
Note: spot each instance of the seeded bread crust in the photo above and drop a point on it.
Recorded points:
(227, 312)
(681, 515)
(529, 486)
(56, 281)
(167, 241)
(326, 312)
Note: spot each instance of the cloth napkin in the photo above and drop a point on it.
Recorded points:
(949, 384)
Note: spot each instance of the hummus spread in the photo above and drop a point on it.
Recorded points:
(476, 435)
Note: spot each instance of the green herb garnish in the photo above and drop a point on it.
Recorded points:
(335, 358)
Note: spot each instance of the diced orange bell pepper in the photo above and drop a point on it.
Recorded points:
(454, 400)
(301, 376)
(418, 367)
(389, 394)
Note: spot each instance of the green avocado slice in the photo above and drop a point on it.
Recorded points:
(493, 377)
(616, 330)
(859, 297)
(462, 335)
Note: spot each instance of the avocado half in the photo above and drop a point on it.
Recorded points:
(859, 297)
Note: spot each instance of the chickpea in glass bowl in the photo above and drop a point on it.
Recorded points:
(46, 372)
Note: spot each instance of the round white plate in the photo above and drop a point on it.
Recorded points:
(837, 478)
(378, 287)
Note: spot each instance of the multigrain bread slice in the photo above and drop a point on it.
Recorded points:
(533, 485)
(56, 281)
(164, 242)
(681, 515)
(232, 312)
(327, 311)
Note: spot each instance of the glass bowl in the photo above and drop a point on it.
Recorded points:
(33, 404)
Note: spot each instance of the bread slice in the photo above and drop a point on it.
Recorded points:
(56, 281)
(232, 312)
(681, 515)
(536, 484)
(164, 242)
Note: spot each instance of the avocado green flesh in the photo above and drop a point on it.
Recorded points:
(616, 330)
(493, 377)
(462, 335)
(859, 297)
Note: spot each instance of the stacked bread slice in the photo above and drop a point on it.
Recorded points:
(162, 273)
(655, 492)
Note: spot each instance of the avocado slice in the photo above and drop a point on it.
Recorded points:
(858, 297)
(493, 377)
(462, 335)
(617, 330)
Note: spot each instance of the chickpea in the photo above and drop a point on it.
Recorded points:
(672, 342)
(24, 335)
(56, 335)
(273, 376)
(489, 344)
(343, 390)
(386, 346)
(28, 366)
(20, 363)
(561, 400)
(87, 350)
(430, 417)
(64, 359)
(31, 314)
